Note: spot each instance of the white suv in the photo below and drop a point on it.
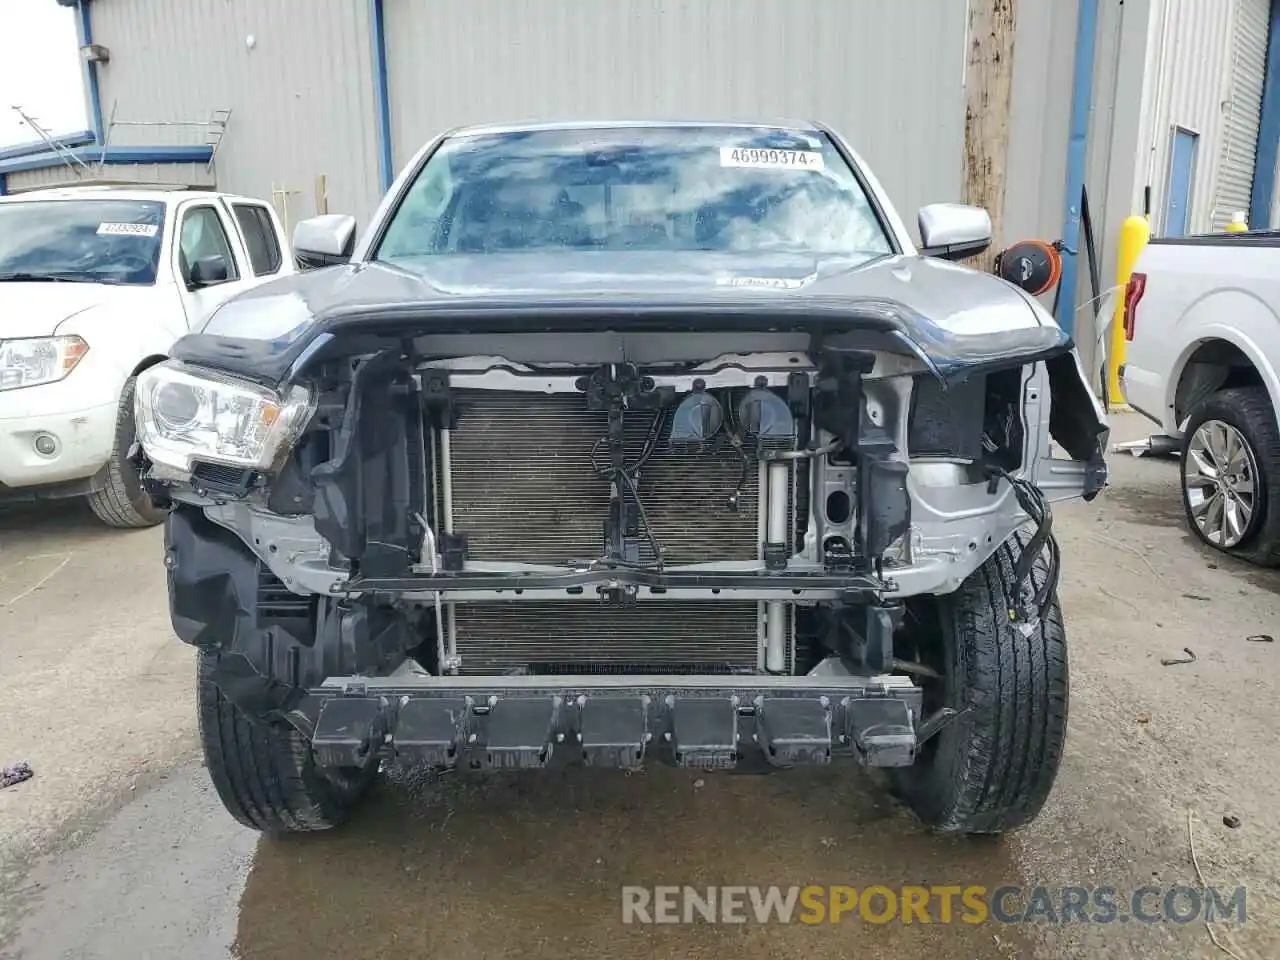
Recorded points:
(96, 284)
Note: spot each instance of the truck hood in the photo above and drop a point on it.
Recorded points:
(950, 316)
(37, 309)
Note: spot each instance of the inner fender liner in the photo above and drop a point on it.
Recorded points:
(223, 599)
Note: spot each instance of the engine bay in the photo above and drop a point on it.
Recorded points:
(541, 515)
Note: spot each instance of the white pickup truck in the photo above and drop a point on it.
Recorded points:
(1202, 321)
(96, 284)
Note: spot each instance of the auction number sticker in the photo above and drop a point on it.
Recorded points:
(768, 157)
(772, 283)
(127, 229)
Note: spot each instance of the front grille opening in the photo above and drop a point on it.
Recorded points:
(221, 477)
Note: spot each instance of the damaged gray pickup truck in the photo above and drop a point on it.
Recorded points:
(618, 443)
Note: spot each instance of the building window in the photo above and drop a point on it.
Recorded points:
(259, 238)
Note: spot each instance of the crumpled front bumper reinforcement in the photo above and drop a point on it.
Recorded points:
(529, 722)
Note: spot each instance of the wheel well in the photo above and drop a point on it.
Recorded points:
(148, 362)
(1215, 365)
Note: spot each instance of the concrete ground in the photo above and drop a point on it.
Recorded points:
(118, 847)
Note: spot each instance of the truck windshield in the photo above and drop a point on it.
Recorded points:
(86, 241)
(724, 189)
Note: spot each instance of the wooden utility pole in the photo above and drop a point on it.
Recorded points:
(988, 96)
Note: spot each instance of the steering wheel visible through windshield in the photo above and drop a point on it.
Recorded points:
(724, 189)
(83, 241)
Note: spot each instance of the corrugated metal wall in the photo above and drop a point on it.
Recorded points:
(1190, 79)
(887, 75)
(301, 93)
(1248, 58)
(187, 174)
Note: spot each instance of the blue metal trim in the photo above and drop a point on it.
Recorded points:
(381, 94)
(1077, 157)
(85, 30)
(39, 146)
(1268, 155)
(113, 155)
(4, 186)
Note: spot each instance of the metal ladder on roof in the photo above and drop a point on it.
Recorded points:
(215, 128)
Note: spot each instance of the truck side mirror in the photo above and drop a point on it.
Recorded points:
(324, 241)
(207, 271)
(954, 231)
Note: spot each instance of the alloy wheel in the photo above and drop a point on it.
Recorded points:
(1220, 480)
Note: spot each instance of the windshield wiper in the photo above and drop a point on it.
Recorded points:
(44, 278)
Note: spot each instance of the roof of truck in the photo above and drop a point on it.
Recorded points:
(807, 126)
(169, 195)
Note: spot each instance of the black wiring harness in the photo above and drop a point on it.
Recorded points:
(735, 439)
(1032, 604)
(624, 478)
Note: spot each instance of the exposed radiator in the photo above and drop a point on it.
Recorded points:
(524, 488)
(567, 636)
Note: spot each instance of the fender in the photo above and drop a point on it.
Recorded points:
(1251, 321)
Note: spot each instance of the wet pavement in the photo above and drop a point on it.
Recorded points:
(119, 848)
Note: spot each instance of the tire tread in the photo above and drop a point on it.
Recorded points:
(264, 773)
(994, 768)
(116, 504)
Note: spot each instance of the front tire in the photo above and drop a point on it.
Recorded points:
(993, 767)
(265, 773)
(1231, 474)
(123, 502)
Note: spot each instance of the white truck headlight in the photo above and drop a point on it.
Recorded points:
(183, 415)
(31, 362)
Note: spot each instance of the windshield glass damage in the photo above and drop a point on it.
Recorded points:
(740, 189)
(89, 241)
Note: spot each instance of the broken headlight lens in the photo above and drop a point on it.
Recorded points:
(183, 415)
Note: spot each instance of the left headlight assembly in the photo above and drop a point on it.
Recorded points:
(183, 415)
(38, 360)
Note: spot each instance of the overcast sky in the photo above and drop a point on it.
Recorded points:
(40, 70)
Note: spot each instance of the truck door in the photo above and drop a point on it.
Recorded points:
(260, 232)
(208, 259)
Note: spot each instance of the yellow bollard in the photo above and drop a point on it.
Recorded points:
(1134, 234)
(1239, 224)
